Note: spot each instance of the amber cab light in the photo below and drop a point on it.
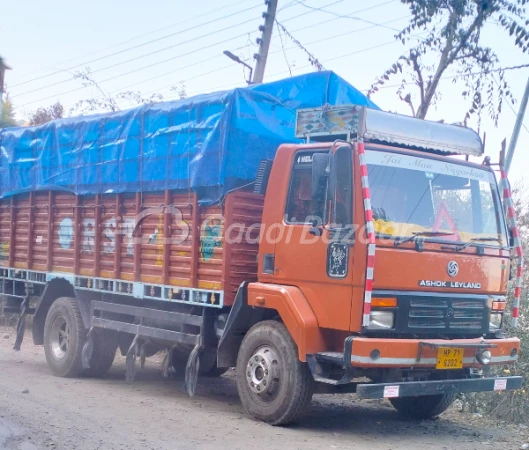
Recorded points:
(498, 306)
(384, 302)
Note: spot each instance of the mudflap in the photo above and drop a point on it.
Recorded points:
(192, 368)
(21, 325)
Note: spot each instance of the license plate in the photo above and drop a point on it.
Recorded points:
(450, 358)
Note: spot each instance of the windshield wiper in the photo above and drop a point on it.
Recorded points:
(474, 240)
(417, 234)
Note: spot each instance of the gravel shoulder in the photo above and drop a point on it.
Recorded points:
(39, 411)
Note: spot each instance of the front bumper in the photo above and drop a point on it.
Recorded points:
(422, 353)
(418, 388)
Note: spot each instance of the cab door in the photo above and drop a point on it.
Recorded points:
(313, 249)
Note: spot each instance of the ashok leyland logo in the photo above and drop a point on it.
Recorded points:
(452, 268)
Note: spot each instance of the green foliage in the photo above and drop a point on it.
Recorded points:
(7, 114)
(512, 405)
(454, 40)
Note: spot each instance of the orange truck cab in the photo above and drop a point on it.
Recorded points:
(386, 259)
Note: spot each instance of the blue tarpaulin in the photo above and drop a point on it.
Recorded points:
(210, 143)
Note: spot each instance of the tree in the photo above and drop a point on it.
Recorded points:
(454, 41)
(45, 115)
(7, 114)
(512, 406)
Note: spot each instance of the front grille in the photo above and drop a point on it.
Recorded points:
(445, 315)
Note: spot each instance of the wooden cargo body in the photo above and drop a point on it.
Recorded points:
(153, 245)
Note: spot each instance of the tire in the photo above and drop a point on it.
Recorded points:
(105, 347)
(423, 407)
(274, 385)
(64, 337)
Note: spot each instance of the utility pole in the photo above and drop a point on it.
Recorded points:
(3, 68)
(517, 126)
(264, 41)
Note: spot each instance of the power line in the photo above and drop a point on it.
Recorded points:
(454, 77)
(234, 85)
(135, 47)
(217, 69)
(317, 41)
(136, 70)
(350, 14)
(126, 41)
(154, 64)
(340, 16)
(509, 104)
(283, 50)
(313, 60)
(220, 55)
(274, 52)
(145, 43)
(145, 55)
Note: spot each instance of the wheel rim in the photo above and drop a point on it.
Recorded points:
(60, 337)
(263, 373)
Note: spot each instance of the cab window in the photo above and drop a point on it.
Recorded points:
(342, 207)
(301, 208)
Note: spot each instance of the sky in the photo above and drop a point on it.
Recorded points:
(157, 46)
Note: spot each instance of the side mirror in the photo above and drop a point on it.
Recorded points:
(320, 175)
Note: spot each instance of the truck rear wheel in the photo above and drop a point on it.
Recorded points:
(274, 385)
(105, 347)
(424, 406)
(64, 337)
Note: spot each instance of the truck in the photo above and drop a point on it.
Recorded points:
(369, 255)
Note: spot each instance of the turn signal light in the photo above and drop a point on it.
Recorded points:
(498, 306)
(386, 302)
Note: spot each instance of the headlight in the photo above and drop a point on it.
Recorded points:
(495, 321)
(381, 320)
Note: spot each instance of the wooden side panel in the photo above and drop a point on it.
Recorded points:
(243, 214)
(87, 235)
(151, 226)
(181, 246)
(127, 214)
(21, 218)
(107, 232)
(63, 231)
(211, 239)
(153, 237)
(40, 231)
(5, 229)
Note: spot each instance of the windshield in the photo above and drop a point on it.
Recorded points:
(414, 195)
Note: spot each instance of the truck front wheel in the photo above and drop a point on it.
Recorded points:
(64, 337)
(424, 406)
(274, 385)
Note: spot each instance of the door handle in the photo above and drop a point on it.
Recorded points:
(315, 230)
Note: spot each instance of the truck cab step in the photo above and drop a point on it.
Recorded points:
(330, 357)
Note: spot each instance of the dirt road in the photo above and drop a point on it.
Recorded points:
(39, 411)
